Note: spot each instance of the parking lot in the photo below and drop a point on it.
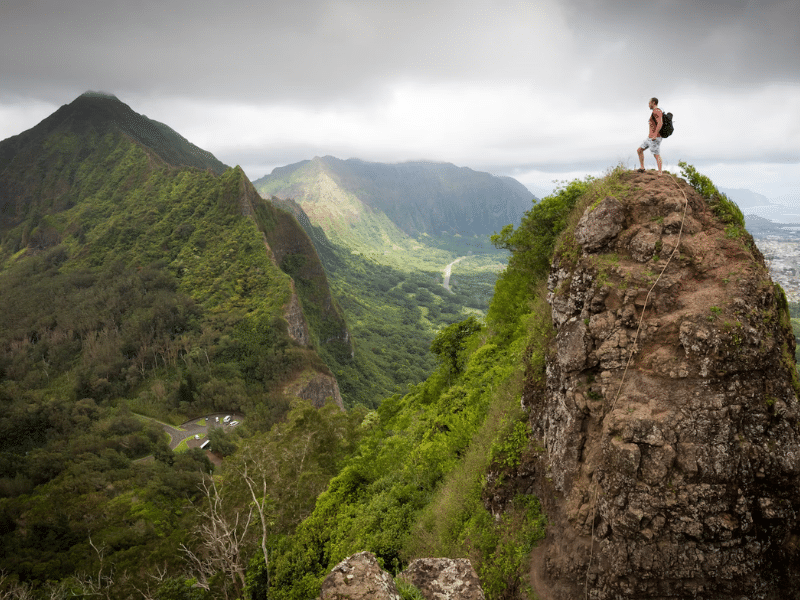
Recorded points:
(196, 430)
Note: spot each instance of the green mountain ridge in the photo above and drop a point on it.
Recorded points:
(372, 206)
(139, 275)
(110, 185)
(101, 211)
(67, 137)
(419, 197)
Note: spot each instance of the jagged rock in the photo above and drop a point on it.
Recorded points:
(444, 578)
(682, 479)
(643, 245)
(296, 321)
(359, 577)
(571, 345)
(315, 387)
(600, 225)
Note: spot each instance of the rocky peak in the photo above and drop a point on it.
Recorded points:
(674, 475)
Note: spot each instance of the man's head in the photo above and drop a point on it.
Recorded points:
(653, 103)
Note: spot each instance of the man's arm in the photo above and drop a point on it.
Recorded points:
(659, 122)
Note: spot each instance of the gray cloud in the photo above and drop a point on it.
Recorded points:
(320, 52)
(727, 42)
(483, 83)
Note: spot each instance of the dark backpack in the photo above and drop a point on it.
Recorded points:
(666, 125)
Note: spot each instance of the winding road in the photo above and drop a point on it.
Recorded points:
(447, 270)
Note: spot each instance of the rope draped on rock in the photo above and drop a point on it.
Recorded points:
(627, 364)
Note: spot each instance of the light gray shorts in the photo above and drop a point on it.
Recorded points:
(654, 144)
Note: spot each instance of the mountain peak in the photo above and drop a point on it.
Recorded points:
(97, 113)
(94, 94)
(37, 166)
(669, 414)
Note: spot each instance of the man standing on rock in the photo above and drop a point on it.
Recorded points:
(653, 140)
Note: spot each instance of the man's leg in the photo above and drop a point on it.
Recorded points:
(658, 160)
(641, 156)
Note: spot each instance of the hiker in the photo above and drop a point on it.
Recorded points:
(653, 140)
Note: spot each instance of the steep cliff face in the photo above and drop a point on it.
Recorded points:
(669, 420)
(312, 305)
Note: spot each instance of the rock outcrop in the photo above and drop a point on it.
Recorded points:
(444, 578)
(296, 321)
(360, 576)
(315, 387)
(677, 475)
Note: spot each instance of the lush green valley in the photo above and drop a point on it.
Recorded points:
(385, 234)
(393, 315)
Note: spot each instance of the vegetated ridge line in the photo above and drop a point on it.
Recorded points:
(447, 270)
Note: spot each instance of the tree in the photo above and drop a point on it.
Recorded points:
(218, 555)
(450, 343)
(179, 589)
(100, 584)
(163, 453)
(221, 441)
(256, 482)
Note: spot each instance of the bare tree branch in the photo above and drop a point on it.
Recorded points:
(221, 540)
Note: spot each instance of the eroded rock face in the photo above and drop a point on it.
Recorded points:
(444, 578)
(359, 577)
(316, 387)
(600, 224)
(682, 478)
(296, 321)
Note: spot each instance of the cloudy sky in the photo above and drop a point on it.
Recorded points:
(540, 90)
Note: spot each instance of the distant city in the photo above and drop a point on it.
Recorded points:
(780, 245)
(775, 225)
(782, 255)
